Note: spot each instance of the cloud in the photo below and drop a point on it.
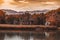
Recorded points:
(1, 2)
(30, 4)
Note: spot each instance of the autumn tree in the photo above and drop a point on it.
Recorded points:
(27, 17)
(2, 16)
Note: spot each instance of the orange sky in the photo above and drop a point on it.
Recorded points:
(23, 5)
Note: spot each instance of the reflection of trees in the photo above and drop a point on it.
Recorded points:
(10, 34)
(57, 35)
(39, 36)
(25, 36)
(2, 35)
(51, 35)
(34, 35)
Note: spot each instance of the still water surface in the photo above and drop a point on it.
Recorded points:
(51, 35)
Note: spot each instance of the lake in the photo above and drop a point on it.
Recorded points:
(47, 35)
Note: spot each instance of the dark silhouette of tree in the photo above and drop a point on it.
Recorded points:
(27, 15)
(42, 18)
(2, 17)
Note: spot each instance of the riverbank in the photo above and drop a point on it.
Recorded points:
(27, 27)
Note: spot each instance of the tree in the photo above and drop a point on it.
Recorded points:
(42, 18)
(27, 17)
(2, 16)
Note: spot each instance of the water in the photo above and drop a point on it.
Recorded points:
(51, 35)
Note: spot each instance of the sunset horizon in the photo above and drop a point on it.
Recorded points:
(28, 5)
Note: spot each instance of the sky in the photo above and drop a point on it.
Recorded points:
(24, 5)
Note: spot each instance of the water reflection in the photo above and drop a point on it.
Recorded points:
(52, 35)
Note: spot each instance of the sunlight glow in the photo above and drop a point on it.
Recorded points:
(23, 1)
(19, 5)
(1, 1)
(50, 3)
